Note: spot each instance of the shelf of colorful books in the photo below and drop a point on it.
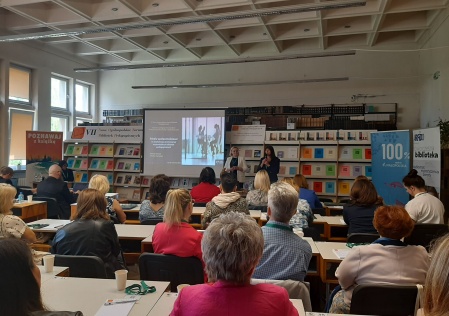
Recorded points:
(355, 153)
(131, 194)
(321, 137)
(344, 187)
(347, 137)
(323, 187)
(353, 170)
(101, 164)
(81, 176)
(251, 152)
(319, 170)
(108, 175)
(77, 163)
(126, 179)
(127, 165)
(101, 150)
(319, 153)
(128, 151)
(288, 169)
(76, 149)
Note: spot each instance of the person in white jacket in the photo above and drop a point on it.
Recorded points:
(237, 165)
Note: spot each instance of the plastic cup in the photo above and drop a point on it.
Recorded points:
(49, 262)
(30, 198)
(181, 286)
(121, 277)
(298, 231)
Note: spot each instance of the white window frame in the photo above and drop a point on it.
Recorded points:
(30, 96)
(67, 98)
(89, 99)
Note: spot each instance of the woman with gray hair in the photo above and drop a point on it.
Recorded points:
(232, 246)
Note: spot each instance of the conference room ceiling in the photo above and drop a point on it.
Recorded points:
(377, 25)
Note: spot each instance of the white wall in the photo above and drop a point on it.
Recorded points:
(44, 61)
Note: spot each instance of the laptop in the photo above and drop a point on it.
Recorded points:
(78, 186)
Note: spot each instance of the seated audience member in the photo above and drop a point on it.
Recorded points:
(303, 218)
(54, 187)
(227, 201)
(67, 174)
(236, 165)
(359, 212)
(92, 233)
(432, 191)
(206, 190)
(175, 236)
(20, 293)
(232, 245)
(424, 208)
(12, 226)
(387, 260)
(259, 196)
(115, 211)
(6, 173)
(436, 289)
(154, 206)
(306, 194)
(285, 254)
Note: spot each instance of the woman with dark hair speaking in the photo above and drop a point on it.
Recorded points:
(270, 163)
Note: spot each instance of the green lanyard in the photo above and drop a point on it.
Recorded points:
(141, 289)
(274, 225)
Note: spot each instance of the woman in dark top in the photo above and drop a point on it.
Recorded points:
(92, 233)
(67, 174)
(359, 213)
(270, 163)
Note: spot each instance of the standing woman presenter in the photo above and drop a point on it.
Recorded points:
(237, 166)
(270, 163)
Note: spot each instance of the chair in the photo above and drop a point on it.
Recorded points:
(200, 204)
(345, 200)
(152, 221)
(54, 211)
(296, 290)
(384, 300)
(320, 211)
(177, 270)
(82, 266)
(423, 234)
(312, 232)
(362, 238)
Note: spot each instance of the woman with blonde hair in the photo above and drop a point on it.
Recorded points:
(175, 236)
(113, 208)
(436, 287)
(92, 233)
(11, 225)
(304, 215)
(259, 196)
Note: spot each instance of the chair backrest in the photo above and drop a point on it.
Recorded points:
(152, 221)
(362, 238)
(312, 232)
(200, 204)
(384, 300)
(296, 290)
(177, 270)
(423, 234)
(320, 211)
(82, 266)
(54, 211)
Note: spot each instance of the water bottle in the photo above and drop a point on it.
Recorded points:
(20, 197)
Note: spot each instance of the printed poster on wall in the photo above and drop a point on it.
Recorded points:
(42, 150)
(108, 134)
(426, 155)
(390, 163)
(247, 134)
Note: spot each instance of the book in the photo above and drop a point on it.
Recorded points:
(136, 151)
(78, 176)
(69, 150)
(70, 163)
(367, 153)
(84, 177)
(248, 153)
(94, 164)
(129, 151)
(127, 166)
(292, 171)
(256, 153)
(307, 153)
(127, 179)
(280, 154)
(84, 163)
(110, 151)
(120, 165)
(341, 253)
(343, 188)
(137, 180)
(77, 164)
(110, 164)
(357, 153)
(282, 169)
(110, 178)
(345, 171)
(318, 186)
(368, 171)
(136, 166)
(94, 150)
(330, 170)
(319, 153)
(119, 180)
(136, 194)
(318, 170)
(121, 151)
(102, 151)
(77, 150)
(330, 187)
(330, 153)
(306, 170)
(84, 150)
(103, 164)
(145, 181)
(356, 171)
(292, 153)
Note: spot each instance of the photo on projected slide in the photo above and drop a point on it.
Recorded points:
(202, 140)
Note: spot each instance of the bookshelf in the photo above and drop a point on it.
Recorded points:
(119, 163)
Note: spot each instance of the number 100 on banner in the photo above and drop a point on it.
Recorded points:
(394, 152)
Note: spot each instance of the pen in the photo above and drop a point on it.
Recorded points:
(113, 302)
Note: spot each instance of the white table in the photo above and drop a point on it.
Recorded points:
(165, 304)
(53, 225)
(45, 276)
(139, 232)
(88, 295)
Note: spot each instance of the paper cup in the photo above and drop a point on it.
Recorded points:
(298, 231)
(181, 286)
(49, 262)
(30, 198)
(120, 278)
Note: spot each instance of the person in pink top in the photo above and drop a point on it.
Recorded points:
(175, 236)
(232, 246)
(206, 190)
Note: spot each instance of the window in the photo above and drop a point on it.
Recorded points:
(20, 122)
(20, 84)
(82, 97)
(59, 93)
(59, 124)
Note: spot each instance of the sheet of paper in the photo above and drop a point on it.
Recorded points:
(341, 253)
(121, 309)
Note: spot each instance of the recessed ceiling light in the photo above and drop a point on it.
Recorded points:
(264, 34)
(198, 39)
(347, 26)
(231, 36)
(306, 30)
(114, 9)
(155, 4)
(199, 0)
(165, 42)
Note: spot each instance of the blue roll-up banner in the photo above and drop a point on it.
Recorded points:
(390, 163)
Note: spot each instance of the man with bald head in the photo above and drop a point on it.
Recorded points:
(54, 187)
